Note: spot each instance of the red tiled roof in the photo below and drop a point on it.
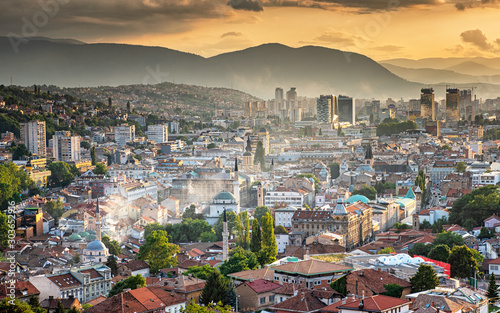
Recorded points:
(262, 285)
(311, 267)
(376, 303)
(305, 302)
(22, 289)
(375, 280)
(64, 281)
(93, 273)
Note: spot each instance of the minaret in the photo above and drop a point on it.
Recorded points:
(97, 222)
(272, 169)
(236, 184)
(225, 238)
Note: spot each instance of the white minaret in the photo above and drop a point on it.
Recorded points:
(225, 238)
(97, 222)
(236, 185)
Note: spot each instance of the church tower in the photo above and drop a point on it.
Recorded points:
(225, 238)
(369, 155)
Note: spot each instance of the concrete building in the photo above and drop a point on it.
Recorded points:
(124, 134)
(452, 105)
(158, 133)
(65, 147)
(33, 136)
(326, 108)
(283, 216)
(427, 106)
(346, 109)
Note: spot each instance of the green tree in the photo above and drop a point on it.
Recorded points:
(128, 107)
(201, 272)
(280, 230)
(76, 258)
(462, 262)
(192, 307)
(34, 302)
(208, 236)
(60, 308)
(367, 191)
(387, 250)
(112, 245)
(340, 133)
(149, 228)
(93, 156)
(243, 229)
(131, 282)
(388, 128)
(334, 170)
(13, 182)
(55, 209)
(256, 241)
(260, 211)
(215, 289)
(16, 307)
(85, 144)
(485, 233)
(425, 225)
(461, 167)
(340, 285)
(492, 292)
(425, 279)
(259, 157)
(448, 238)
(269, 246)
(478, 205)
(19, 151)
(232, 223)
(320, 133)
(211, 145)
(190, 212)
(158, 252)
(240, 260)
(100, 169)
(111, 263)
(61, 175)
(4, 229)
(440, 253)
(446, 147)
(420, 249)
(393, 290)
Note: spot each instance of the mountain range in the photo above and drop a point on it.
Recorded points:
(258, 70)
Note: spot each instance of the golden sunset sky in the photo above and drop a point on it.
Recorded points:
(376, 28)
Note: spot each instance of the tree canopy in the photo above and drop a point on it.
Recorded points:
(334, 170)
(368, 191)
(240, 260)
(478, 205)
(260, 211)
(201, 272)
(131, 282)
(190, 212)
(112, 245)
(440, 253)
(269, 249)
(462, 262)
(215, 289)
(60, 174)
(425, 279)
(100, 169)
(188, 230)
(158, 252)
(391, 128)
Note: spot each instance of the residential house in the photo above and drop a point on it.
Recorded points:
(134, 267)
(50, 304)
(256, 295)
(304, 302)
(373, 304)
(23, 290)
(371, 282)
(188, 287)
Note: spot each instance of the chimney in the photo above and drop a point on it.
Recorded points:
(432, 305)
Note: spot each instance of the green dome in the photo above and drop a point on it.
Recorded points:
(91, 232)
(83, 234)
(90, 238)
(357, 198)
(224, 195)
(74, 237)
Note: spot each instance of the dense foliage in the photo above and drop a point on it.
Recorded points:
(478, 205)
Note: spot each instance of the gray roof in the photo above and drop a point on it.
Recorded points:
(95, 245)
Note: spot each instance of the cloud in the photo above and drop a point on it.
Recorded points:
(389, 48)
(246, 5)
(231, 34)
(477, 38)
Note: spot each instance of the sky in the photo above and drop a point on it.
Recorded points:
(380, 29)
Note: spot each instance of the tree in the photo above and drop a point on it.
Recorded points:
(19, 151)
(192, 307)
(448, 238)
(93, 155)
(73, 310)
(320, 133)
(340, 285)
(420, 249)
(55, 209)
(387, 250)
(131, 282)
(111, 263)
(149, 228)
(260, 211)
(367, 191)
(280, 230)
(440, 253)
(256, 243)
(461, 167)
(485, 233)
(259, 156)
(128, 107)
(393, 290)
(215, 289)
(190, 212)
(269, 246)
(389, 127)
(340, 133)
(13, 182)
(462, 262)
(492, 292)
(4, 229)
(201, 272)
(425, 225)
(211, 145)
(478, 205)
(110, 102)
(158, 252)
(425, 279)
(100, 169)
(61, 175)
(60, 307)
(15, 307)
(208, 236)
(243, 229)
(112, 245)
(85, 144)
(240, 260)
(76, 258)
(334, 170)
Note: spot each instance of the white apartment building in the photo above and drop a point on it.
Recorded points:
(65, 147)
(124, 134)
(33, 136)
(135, 190)
(158, 133)
(480, 180)
(283, 241)
(288, 198)
(284, 216)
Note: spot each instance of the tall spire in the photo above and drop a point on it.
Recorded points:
(225, 238)
(236, 165)
(97, 222)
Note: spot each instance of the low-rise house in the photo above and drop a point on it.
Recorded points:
(304, 302)
(23, 290)
(372, 282)
(374, 304)
(132, 268)
(189, 287)
(51, 304)
(256, 295)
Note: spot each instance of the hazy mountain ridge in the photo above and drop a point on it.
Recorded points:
(257, 70)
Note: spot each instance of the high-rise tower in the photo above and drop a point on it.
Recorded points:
(452, 105)
(427, 109)
(33, 135)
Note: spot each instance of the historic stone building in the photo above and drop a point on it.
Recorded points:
(354, 223)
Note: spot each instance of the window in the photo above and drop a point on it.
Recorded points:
(317, 282)
(262, 300)
(271, 298)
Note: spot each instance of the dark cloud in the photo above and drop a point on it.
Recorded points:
(246, 5)
(477, 38)
(231, 34)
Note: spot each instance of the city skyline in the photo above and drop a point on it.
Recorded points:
(378, 29)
